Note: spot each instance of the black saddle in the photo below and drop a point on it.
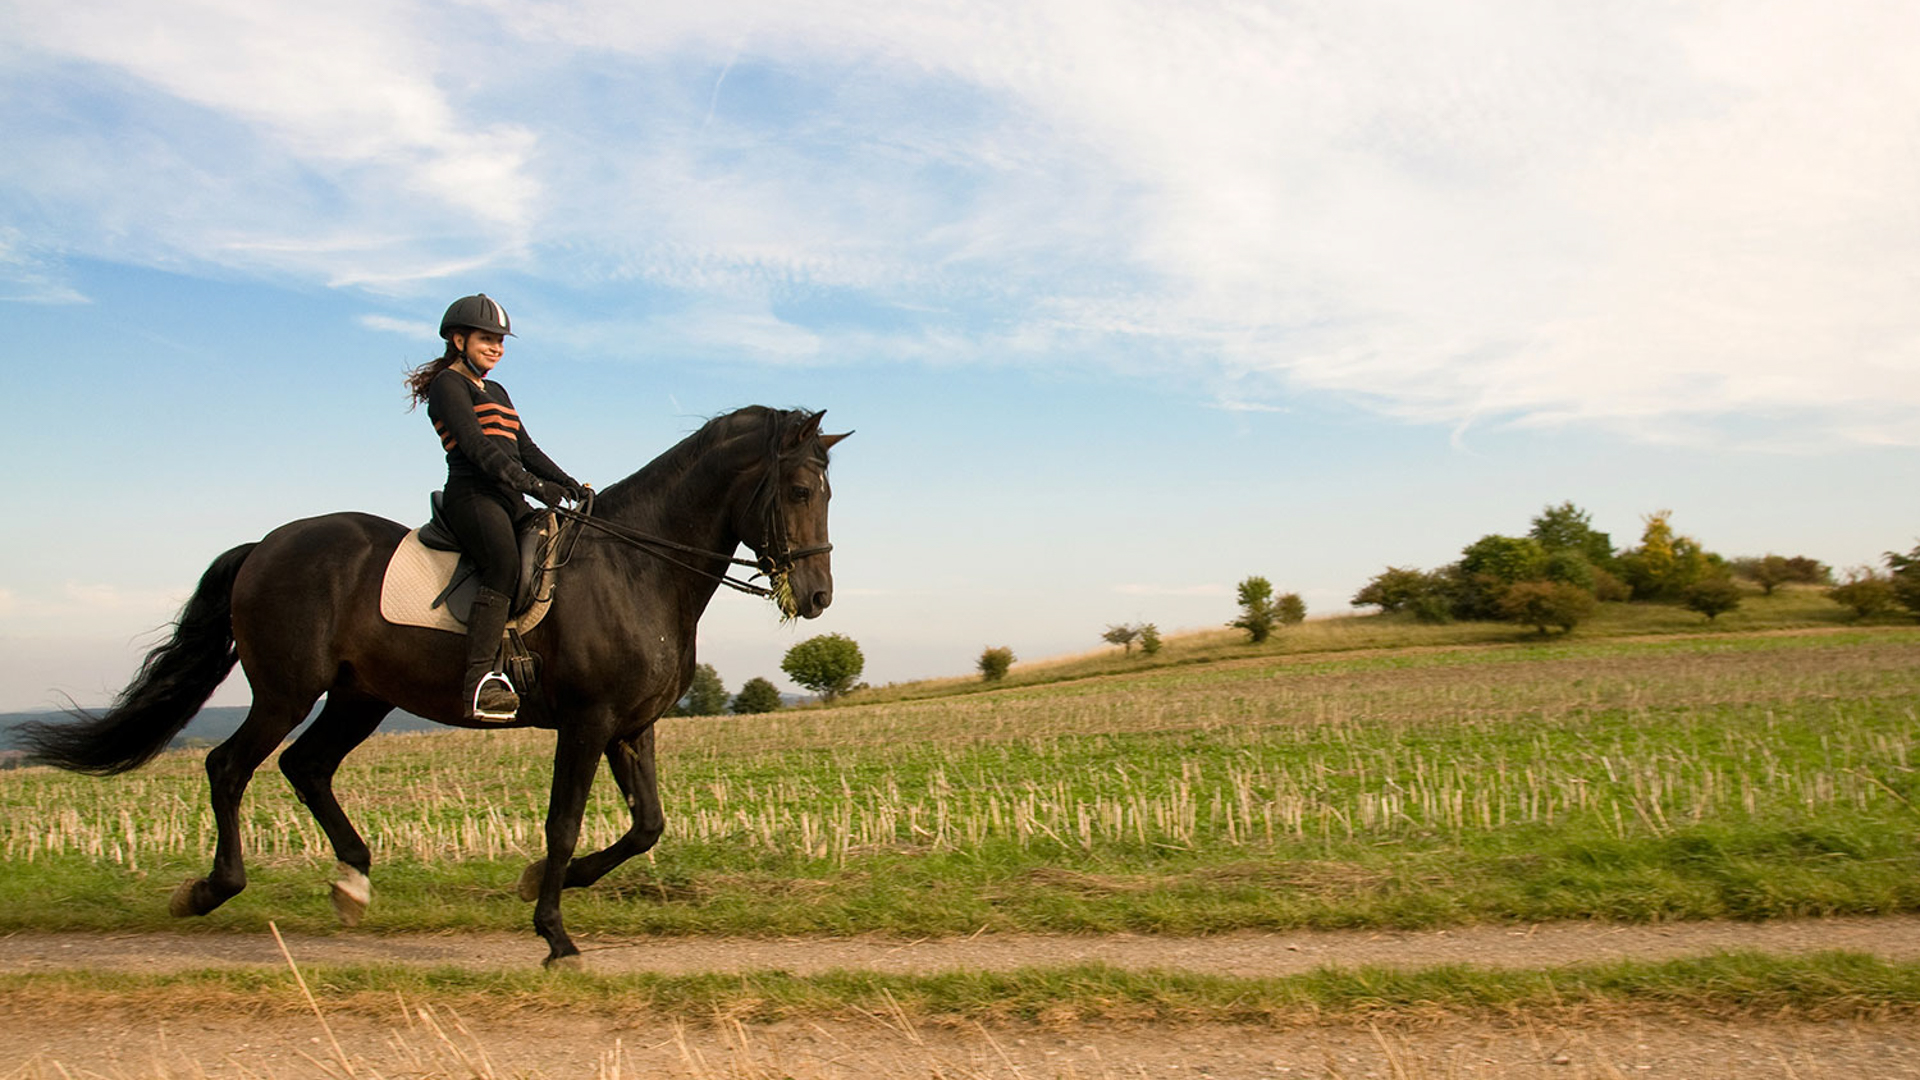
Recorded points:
(536, 532)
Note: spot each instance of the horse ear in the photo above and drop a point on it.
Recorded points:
(805, 431)
(827, 441)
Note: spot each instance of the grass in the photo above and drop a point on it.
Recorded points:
(1630, 778)
(1725, 986)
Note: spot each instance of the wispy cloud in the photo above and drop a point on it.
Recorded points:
(1640, 216)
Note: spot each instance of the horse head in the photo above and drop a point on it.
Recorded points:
(789, 532)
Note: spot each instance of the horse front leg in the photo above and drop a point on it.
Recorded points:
(632, 764)
(575, 757)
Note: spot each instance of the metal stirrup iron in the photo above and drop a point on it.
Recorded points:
(492, 678)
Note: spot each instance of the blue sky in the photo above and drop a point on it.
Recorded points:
(1126, 301)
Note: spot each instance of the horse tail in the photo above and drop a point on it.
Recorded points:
(174, 681)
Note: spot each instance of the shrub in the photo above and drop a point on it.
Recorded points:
(1290, 610)
(1866, 591)
(1394, 589)
(826, 665)
(1570, 567)
(1772, 571)
(757, 695)
(1608, 588)
(1505, 558)
(1149, 639)
(1545, 604)
(1712, 597)
(1257, 615)
(994, 662)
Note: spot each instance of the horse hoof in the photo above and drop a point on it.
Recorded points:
(180, 904)
(351, 895)
(569, 962)
(529, 886)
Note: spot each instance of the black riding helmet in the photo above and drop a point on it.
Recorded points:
(478, 312)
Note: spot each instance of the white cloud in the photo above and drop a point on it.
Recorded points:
(1638, 215)
(406, 327)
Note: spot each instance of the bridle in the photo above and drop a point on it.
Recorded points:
(776, 552)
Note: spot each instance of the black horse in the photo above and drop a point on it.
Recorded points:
(300, 612)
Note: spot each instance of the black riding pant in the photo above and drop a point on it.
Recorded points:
(485, 522)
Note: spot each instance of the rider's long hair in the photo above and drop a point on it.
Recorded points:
(418, 379)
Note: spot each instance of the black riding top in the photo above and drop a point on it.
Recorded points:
(483, 436)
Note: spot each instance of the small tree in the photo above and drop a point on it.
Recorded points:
(1290, 610)
(706, 695)
(1394, 589)
(994, 662)
(1568, 528)
(1123, 636)
(1769, 572)
(1256, 609)
(1545, 604)
(826, 665)
(1149, 639)
(1712, 597)
(1866, 591)
(757, 695)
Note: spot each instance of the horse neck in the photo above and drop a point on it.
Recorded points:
(693, 494)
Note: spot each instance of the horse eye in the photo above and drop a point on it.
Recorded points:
(801, 494)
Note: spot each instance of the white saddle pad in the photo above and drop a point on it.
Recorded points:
(417, 574)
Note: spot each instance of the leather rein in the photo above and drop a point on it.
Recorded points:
(772, 565)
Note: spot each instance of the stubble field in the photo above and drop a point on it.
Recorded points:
(1413, 791)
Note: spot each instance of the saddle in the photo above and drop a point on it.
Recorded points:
(430, 583)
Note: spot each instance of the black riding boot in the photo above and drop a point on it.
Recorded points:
(486, 693)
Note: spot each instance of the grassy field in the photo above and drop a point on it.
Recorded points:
(1397, 776)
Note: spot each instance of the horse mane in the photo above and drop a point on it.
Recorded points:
(686, 454)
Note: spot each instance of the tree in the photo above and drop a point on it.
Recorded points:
(1545, 604)
(757, 695)
(994, 662)
(1394, 589)
(1712, 597)
(1149, 639)
(1568, 528)
(1866, 591)
(1904, 577)
(706, 695)
(1290, 610)
(826, 665)
(1121, 635)
(1487, 567)
(1665, 563)
(1257, 615)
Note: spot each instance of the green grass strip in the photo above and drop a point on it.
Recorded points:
(1824, 986)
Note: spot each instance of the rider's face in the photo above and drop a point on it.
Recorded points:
(483, 348)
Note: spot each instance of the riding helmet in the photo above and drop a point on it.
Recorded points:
(479, 312)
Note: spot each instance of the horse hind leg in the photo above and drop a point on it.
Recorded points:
(230, 766)
(309, 765)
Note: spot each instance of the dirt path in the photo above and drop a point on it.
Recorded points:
(42, 1040)
(1244, 954)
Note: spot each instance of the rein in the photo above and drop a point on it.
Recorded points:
(652, 544)
(774, 565)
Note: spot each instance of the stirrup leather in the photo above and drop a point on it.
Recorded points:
(494, 678)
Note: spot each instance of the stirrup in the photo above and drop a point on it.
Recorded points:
(491, 678)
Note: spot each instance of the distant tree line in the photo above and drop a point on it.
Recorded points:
(1556, 574)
